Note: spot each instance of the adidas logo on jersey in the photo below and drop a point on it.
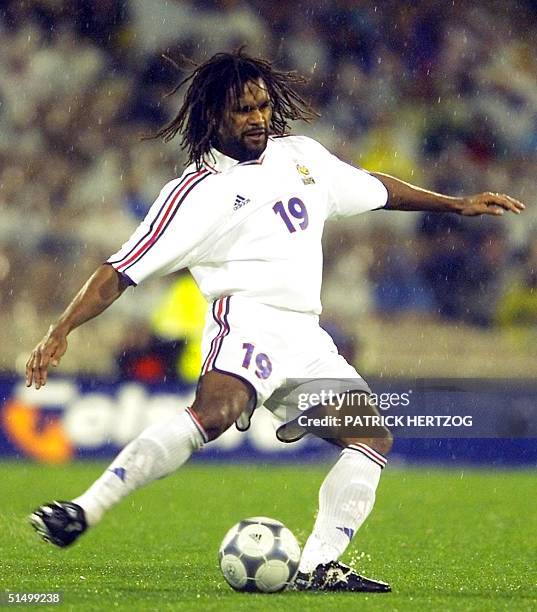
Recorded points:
(240, 202)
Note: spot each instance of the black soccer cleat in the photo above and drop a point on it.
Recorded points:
(60, 523)
(335, 576)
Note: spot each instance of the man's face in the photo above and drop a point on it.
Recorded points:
(244, 131)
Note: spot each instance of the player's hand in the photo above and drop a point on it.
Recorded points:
(489, 203)
(47, 353)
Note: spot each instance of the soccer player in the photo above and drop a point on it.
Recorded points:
(246, 218)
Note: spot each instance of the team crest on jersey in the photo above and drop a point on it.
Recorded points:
(240, 201)
(307, 179)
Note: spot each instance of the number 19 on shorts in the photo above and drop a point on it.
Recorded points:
(262, 363)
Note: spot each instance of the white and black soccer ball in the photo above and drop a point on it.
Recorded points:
(259, 554)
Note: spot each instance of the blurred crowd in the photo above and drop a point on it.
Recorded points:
(443, 95)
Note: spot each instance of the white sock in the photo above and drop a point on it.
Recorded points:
(158, 451)
(346, 498)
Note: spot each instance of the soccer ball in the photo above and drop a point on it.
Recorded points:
(259, 554)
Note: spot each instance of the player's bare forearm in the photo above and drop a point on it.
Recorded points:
(404, 196)
(100, 291)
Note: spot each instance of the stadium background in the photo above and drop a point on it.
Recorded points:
(444, 97)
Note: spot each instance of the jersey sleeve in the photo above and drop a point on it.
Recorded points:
(171, 234)
(351, 190)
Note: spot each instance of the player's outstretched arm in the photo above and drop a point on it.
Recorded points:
(403, 196)
(101, 290)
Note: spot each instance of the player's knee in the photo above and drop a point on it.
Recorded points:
(220, 400)
(219, 415)
(228, 411)
(384, 443)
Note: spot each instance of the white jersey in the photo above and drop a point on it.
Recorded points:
(251, 229)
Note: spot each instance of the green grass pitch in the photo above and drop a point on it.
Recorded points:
(445, 540)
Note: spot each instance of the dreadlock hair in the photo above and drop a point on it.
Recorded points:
(220, 81)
